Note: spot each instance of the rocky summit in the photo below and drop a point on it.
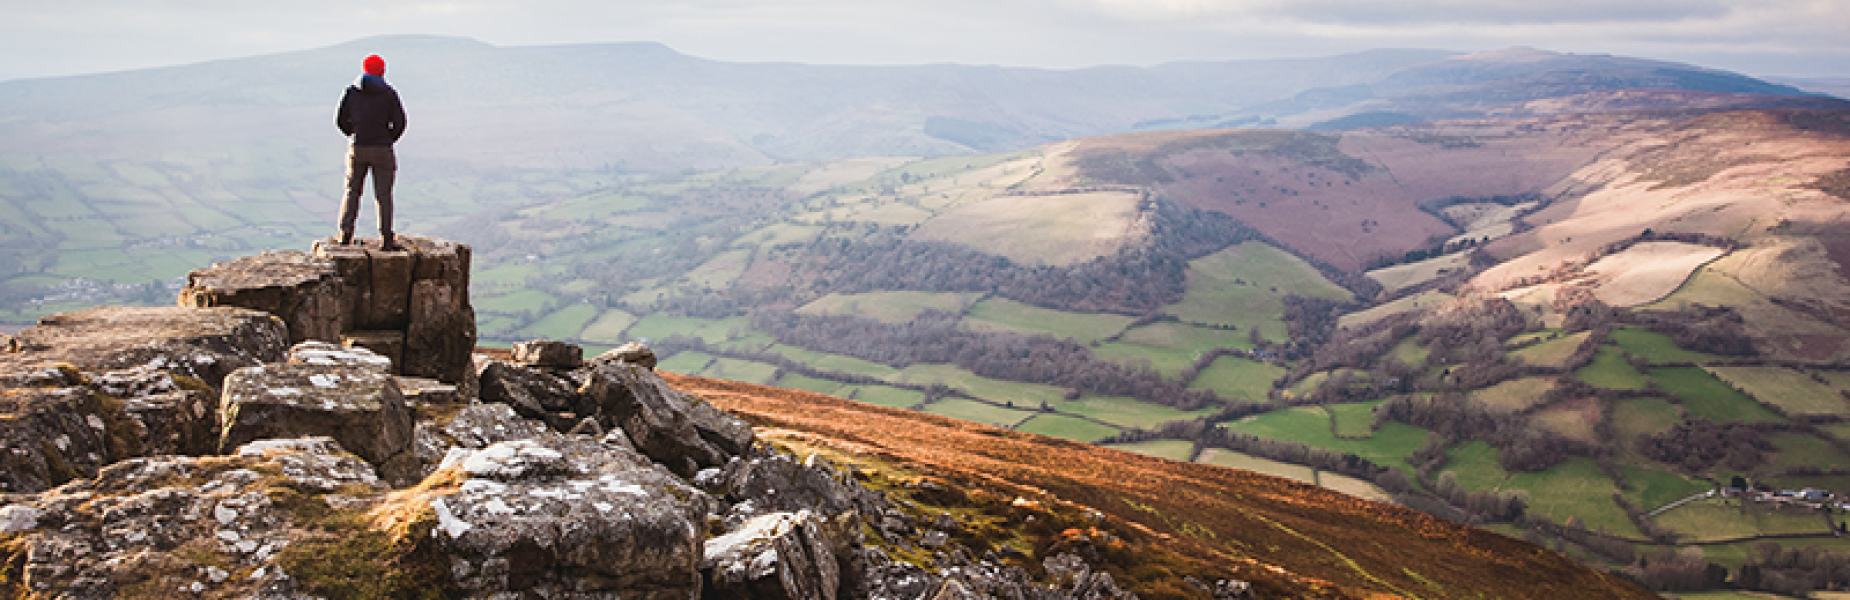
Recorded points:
(316, 425)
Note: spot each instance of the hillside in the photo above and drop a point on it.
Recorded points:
(1296, 537)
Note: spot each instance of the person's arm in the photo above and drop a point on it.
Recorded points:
(343, 117)
(398, 118)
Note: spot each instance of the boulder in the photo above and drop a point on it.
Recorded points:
(534, 393)
(177, 422)
(302, 289)
(569, 516)
(674, 428)
(320, 353)
(52, 430)
(548, 354)
(783, 556)
(441, 334)
(388, 343)
(201, 343)
(174, 526)
(358, 407)
(630, 352)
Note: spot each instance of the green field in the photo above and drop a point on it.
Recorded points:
(1245, 285)
(1515, 395)
(1633, 417)
(563, 324)
(1353, 420)
(1126, 412)
(1552, 353)
(1026, 395)
(609, 326)
(709, 330)
(1800, 450)
(688, 363)
(741, 370)
(1002, 314)
(971, 410)
(802, 382)
(1388, 447)
(1170, 449)
(1656, 347)
(1725, 519)
(513, 303)
(1235, 377)
(890, 397)
(1576, 489)
(1705, 396)
(1069, 428)
(890, 307)
(1652, 488)
(1793, 392)
(1609, 370)
(1475, 465)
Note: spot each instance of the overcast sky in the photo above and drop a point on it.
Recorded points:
(40, 38)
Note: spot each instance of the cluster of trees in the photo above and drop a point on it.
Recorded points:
(935, 337)
(1698, 444)
(1481, 505)
(1525, 447)
(1136, 280)
(1441, 248)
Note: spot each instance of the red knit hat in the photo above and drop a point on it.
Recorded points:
(374, 65)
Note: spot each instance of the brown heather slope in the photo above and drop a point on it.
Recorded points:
(1288, 538)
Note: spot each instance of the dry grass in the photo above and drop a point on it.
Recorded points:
(1649, 271)
(1295, 539)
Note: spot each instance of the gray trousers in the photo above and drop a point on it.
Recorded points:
(384, 166)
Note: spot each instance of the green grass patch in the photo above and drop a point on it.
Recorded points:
(1552, 352)
(890, 307)
(1228, 458)
(1793, 392)
(1656, 347)
(709, 330)
(1634, 417)
(1068, 428)
(1609, 370)
(1705, 396)
(994, 390)
(890, 397)
(1235, 377)
(742, 370)
(1002, 314)
(1800, 450)
(1245, 285)
(1169, 347)
(720, 271)
(1652, 488)
(563, 324)
(1170, 449)
(1576, 489)
(1127, 412)
(1719, 519)
(688, 363)
(1355, 419)
(513, 303)
(1389, 447)
(1409, 352)
(504, 276)
(609, 326)
(1475, 464)
(978, 412)
(1516, 394)
(812, 384)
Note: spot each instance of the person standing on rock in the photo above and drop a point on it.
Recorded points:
(372, 117)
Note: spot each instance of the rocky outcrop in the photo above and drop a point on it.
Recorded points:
(678, 430)
(410, 305)
(352, 402)
(205, 345)
(787, 556)
(572, 516)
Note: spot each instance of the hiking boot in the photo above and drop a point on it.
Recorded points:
(346, 238)
(388, 244)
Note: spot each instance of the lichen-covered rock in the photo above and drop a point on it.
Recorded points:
(771, 482)
(635, 353)
(316, 462)
(548, 354)
(202, 343)
(360, 408)
(786, 556)
(571, 517)
(172, 526)
(672, 427)
(50, 435)
(177, 422)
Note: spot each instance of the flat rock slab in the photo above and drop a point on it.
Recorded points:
(360, 408)
(204, 343)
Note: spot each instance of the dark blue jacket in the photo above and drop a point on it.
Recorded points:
(370, 113)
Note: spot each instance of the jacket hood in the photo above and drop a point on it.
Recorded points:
(372, 84)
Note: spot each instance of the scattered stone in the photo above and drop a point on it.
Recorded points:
(548, 354)
(672, 427)
(635, 353)
(775, 556)
(533, 393)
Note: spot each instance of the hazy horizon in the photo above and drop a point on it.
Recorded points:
(1766, 38)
